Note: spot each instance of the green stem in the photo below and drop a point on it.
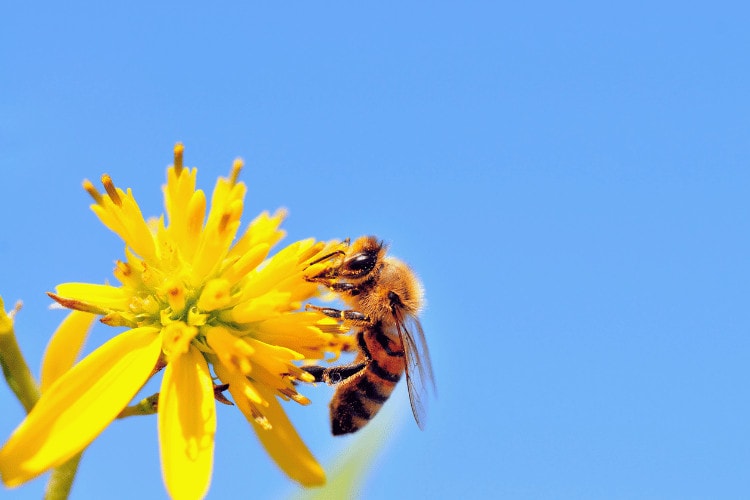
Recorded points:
(146, 406)
(15, 369)
(61, 479)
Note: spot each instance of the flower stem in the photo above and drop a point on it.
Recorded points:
(61, 479)
(146, 406)
(15, 369)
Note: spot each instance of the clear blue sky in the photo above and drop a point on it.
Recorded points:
(569, 180)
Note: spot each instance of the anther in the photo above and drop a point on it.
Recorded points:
(236, 168)
(223, 222)
(259, 418)
(16, 309)
(219, 394)
(109, 186)
(294, 396)
(91, 190)
(123, 269)
(178, 151)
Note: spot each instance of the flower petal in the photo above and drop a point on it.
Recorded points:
(92, 298)
(187, 424)
(231, 350)
(185, 208)
(284, 444)
(64, 346)
(264, 229)
(79, 405)
(273, 428)
(120, 213)
(301, 332)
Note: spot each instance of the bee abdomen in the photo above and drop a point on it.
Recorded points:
(372, 391)
(358, 403)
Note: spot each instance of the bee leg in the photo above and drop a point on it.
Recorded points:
(329, 256)
(322, 278)
(343, 287)
(335, 374)
(334, 286)
(349, 315)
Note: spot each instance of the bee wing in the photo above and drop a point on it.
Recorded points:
(418, 365)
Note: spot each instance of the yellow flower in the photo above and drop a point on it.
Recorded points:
(196, 297)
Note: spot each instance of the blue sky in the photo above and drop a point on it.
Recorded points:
(570, 181)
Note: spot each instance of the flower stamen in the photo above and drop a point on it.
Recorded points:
(109, 186)
(226, 217)
(295, 396)
(236, 168)
(259, 418)
(178, 152)
(91, 190)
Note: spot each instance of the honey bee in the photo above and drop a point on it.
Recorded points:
(384, 297)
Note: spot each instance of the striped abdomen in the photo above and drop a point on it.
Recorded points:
(358, 398)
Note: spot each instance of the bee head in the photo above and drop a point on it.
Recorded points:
(362, 257)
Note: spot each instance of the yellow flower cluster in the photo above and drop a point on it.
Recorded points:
(206, 305)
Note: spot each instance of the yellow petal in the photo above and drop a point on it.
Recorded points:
(231, 350)
(246, 263)
(187, 424)
(79, 405)
(284, 444)
(216, 294)
(300, 331)
(179, 196)
(260, 308)
(221, 226)
(263, 229)
(65, 345)
(99, 298)
(276, 269)
(120, 213)
(243, 392)
(273, 428)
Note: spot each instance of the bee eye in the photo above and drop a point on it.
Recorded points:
(361, 264)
